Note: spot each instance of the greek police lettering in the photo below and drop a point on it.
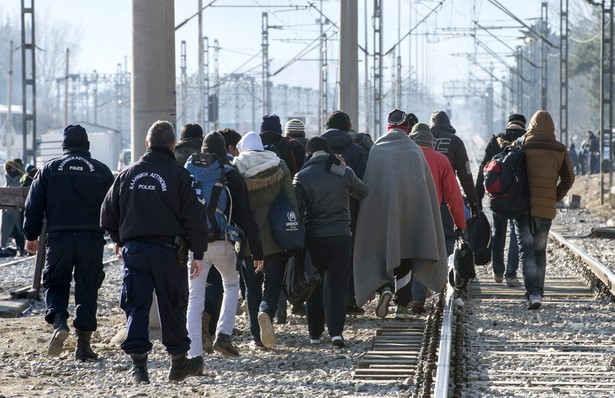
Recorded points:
(158, 177)
(83, 160)
(137, 178)
(148, 184)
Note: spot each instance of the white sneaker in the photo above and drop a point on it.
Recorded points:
(338, 341)
(382, 309)
(315, 341)
(266, 329)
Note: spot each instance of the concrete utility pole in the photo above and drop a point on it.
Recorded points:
(348, 99)
(153, 68)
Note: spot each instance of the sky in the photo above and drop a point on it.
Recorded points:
(104, 28)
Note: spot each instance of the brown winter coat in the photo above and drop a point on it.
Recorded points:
(547, 161)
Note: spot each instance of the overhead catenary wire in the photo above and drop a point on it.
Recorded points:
(415, 26)
(505, 10)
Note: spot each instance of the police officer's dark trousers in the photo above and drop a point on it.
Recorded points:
(148, 267)
(82, 250)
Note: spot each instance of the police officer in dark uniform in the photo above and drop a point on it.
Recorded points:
(68, 191)
(151, 210)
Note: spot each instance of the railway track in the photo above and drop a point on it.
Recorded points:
(493, 346)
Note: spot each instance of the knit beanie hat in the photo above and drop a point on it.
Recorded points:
(338, 120)
(271, 123)
(214, 143)
(191, 130)
(397, 119)
(294, 128)
(316, 144)
(517, 119)
(75, 135)
(421, 135)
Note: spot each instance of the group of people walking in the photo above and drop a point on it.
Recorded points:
(380, 220)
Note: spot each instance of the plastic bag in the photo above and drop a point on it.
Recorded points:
(463, 260)
(300, 277)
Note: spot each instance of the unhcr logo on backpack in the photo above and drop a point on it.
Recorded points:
(292, 224)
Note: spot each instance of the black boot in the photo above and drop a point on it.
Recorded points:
(224, 345)
(83, 352)
(139, 368)
(60, 334)
(182, 367)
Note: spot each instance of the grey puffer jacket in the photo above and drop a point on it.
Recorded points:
(323, 196)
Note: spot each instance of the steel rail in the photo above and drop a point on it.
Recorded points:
(604, 274)
(446, 343)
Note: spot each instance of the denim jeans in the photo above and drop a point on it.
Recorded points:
(533, 251)
(331, 257)
(449, 228)
(259, 298)
(500, 225)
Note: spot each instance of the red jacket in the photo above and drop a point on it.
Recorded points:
(446, 184)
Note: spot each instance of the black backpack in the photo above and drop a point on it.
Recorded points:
(506, 182)
(281, 148)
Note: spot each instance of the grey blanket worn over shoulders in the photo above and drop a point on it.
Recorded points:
(400, 219)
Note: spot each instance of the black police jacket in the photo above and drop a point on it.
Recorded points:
(68, 191)
(155, 197)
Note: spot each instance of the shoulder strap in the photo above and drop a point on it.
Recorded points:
(216, 190)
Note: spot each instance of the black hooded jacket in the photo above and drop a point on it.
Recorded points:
(354, 155)
(453, 147)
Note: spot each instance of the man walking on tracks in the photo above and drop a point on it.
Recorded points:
(153, 213)
(68, 192)
(399, 229)
(547, 162)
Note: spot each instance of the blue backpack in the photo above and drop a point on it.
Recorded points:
(210, 173)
